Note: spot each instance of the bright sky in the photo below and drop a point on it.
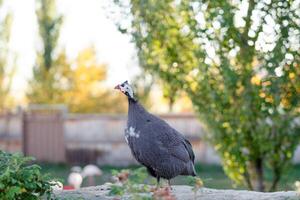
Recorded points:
(85, 24)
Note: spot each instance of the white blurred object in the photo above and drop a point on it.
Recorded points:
(90, 171)
(76, 169)
(75, 179)
(56, 185)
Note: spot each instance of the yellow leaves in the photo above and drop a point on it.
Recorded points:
(269, 99)
(183, 104)
(194, 86)
(85, 79)
(292, 75)
(262, 94)
(156, 44)
(289, 154)
(198, 182)
(189, 79)
(86, 57)
(241, 170)
(78, 84)
(266, 83)
(218, 146)
(230, 162)
(285, 102)
(86, 67)
(87, 92)
(226, 125)
(226, 154)
(240, 89)
(214, 71)
(255, 80)
(298, 89)
(164, 67)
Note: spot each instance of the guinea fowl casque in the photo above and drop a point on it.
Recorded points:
(154, 143)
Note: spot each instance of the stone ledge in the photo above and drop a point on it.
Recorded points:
(181, 193)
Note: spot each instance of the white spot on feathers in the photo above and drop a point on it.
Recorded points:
(130, 132)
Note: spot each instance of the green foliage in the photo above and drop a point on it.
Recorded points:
(142, 88)
(130, 181)
(6, 75)
(49, 27)
(238, 61)
(18, 180)
(196, 182)
(117, 190)
(43, 77)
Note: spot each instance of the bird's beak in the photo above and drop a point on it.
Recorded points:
(117, 87)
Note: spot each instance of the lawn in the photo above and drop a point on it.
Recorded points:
(213, 176)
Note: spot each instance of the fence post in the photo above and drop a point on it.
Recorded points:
(43, 132)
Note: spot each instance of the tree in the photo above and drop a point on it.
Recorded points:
(49, 27)
(6, 75)
(238, 61)
(79, 84)
(82, 85)
(56, 80)
(142, 87)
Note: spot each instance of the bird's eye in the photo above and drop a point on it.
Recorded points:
(122, 85)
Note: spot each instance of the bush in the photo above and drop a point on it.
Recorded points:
(129, 181)
(21, 180)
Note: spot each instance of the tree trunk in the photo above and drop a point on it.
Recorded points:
(171, 104)
(259, 183)
(248, 181)
(257, 175)
(276, 178)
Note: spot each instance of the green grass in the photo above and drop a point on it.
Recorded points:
(213, 176)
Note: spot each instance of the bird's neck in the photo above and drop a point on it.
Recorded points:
(135, 110)
(132, 100)
(133, 104)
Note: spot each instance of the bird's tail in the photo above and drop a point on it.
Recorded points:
(193, 170)
(190, 170)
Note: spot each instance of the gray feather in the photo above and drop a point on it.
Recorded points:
(156, 145)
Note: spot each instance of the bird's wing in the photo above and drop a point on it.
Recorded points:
(189, 148)
(169, 141)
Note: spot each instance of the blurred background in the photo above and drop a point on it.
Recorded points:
(224, 73)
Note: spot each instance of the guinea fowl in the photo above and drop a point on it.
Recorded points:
(154, 143)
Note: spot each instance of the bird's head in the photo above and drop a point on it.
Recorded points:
(126, 89)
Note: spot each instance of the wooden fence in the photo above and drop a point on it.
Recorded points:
(11, 126)
(43, 134)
